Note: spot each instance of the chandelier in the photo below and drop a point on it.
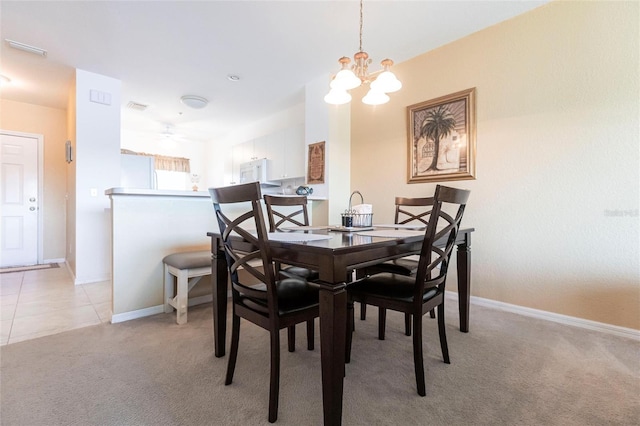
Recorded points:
(350, 77)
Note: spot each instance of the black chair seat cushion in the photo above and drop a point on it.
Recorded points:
(294, 294)
(297, 271)
(400, 266)
(389, 286)
(189, 259)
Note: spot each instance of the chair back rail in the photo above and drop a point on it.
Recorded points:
(406, 211)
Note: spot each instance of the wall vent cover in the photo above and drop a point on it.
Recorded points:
(137, 106)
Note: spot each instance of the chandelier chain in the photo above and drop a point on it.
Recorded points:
(361, 20)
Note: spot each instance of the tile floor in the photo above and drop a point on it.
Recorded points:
(43, 302)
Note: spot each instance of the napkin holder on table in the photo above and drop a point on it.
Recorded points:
(362, 215)
(358, 216)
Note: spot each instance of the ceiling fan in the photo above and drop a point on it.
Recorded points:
(169, 133)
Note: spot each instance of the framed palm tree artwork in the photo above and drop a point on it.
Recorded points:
(442, 138)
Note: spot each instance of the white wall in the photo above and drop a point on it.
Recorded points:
(97, 168)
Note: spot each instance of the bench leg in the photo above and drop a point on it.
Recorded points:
(182, 296)
(168, 289)
(184, 284)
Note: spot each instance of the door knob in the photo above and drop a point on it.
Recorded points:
(32, 199)
(32, 208)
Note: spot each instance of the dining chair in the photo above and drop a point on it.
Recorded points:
(409, 211)
(271, 304)
(420, 293)
(280, 215)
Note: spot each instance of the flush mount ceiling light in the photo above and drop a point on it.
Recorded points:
(192, 101)
(233, 77)
(350, 78)
(26, 47)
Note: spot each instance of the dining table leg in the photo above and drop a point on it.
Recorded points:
(464, 281)
(219, 277)
(333, 320)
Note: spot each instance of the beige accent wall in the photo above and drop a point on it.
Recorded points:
(555, 200)
(51, 123)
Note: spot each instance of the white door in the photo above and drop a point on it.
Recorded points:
(19, 200)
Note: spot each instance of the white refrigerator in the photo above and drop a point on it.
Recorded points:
(137, 171)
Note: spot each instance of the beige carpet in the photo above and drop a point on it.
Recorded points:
(509, 370)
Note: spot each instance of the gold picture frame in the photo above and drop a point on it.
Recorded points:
(442, 138)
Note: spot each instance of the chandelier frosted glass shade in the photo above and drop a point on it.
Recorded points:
(337, 97)
(345, 79)
(375, 97)
(387, 81)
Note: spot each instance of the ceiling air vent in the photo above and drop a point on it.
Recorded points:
(137, 106)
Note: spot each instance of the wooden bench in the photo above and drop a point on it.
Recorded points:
(188, 268)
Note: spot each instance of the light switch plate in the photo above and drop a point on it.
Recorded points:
(100, 97)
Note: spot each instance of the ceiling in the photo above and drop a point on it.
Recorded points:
(161, 50)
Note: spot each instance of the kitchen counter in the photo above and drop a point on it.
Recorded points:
(176, 193)
(156, 192)
(147, 225)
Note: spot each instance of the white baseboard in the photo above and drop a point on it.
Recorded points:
(94, 279)
(520, 310)
(550, 316)
(73, 276)
(154, 310)
(146, 312)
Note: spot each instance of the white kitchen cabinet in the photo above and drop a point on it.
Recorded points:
(277, 158)
(287, 161)
(252, 150)
(295, 153)
(238, 153)
(284, 150)
(260, 148)
(243, 152)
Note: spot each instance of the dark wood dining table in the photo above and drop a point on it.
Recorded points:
(335, 258)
